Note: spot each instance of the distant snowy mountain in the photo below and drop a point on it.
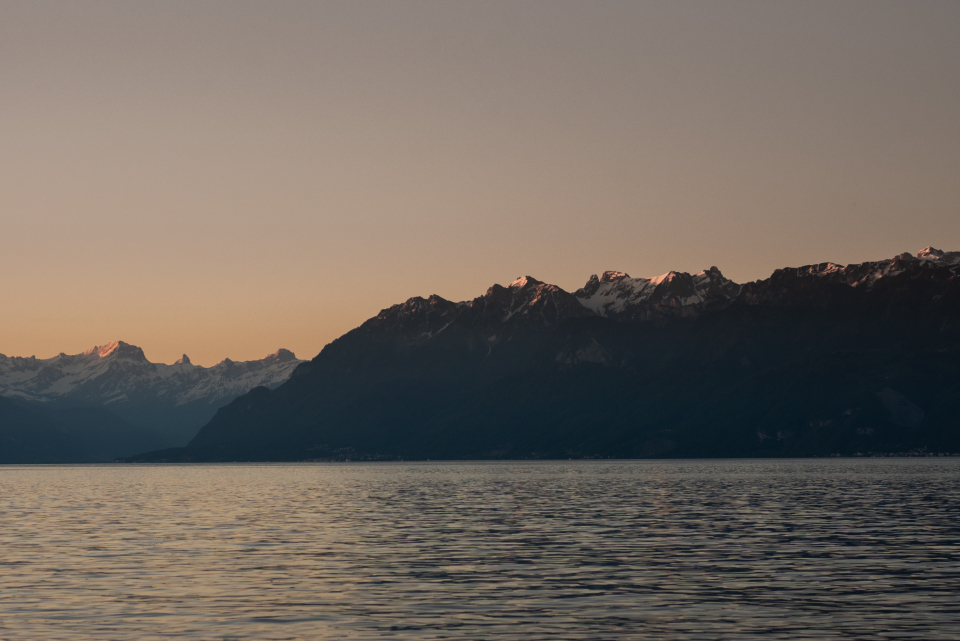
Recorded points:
(117, 372)
(76, 395)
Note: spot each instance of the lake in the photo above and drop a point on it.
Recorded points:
(704, 549)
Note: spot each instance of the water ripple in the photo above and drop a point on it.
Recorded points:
(797, 549)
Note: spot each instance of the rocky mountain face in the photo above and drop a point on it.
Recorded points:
(145, 402)
(525, 304)
(674, 294)
(817, 360)
(677, 294)
(827, 282)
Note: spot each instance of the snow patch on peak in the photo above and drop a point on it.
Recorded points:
(669, 276)
(938, 255)
(608, 277)
(823, 269)
(105, 350)
(521, 282)
(119, 371)
(119, 348)
(930, 253)
(616, 294)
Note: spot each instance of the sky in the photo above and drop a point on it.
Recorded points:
(226, 178)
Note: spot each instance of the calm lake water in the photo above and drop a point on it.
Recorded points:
(783, 549)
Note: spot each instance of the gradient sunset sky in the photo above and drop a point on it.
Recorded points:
(227, 178)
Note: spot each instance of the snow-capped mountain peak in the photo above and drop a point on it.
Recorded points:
(929, 253)
(119, 349)
(110, 348)
(527, 300)
(523, 281)
(942, 257)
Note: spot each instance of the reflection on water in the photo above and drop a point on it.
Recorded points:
(685, 550)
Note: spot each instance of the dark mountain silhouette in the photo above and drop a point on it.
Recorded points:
(817, 360)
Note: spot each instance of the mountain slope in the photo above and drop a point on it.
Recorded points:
(43, 433)
(815, 360)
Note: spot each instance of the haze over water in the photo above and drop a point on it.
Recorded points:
(783, 549)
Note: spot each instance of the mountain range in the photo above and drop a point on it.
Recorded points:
(111, 401)
(816, 360)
